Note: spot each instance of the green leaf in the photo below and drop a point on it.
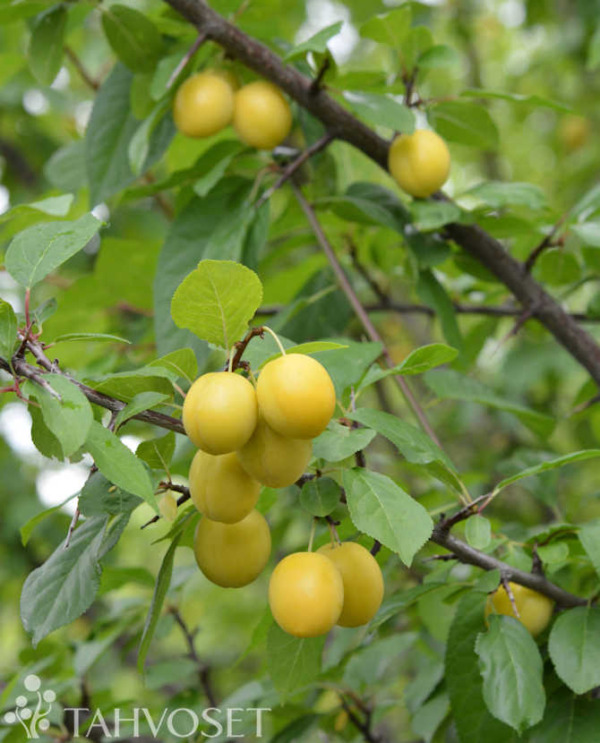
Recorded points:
(126, 385)
(66, 168)
(118, 464)
(8, 330)
(432, 215)
(46, 43)
(465, 123)
(435, 296)
(400, 601)
(498, 195)
(532, 100)
(588, 233)
(316, 43)
(217, 301)
(306, 349)
(43, 438)
(69, 418)
(320, 496)
(380, 508)
(347, 365)
(512, 670)
(99, 337)
(163, 581)
(568, 719)
(53, 206)
(478, 532)
(99, 496)
(139, 403)
(390, 28)
(139, 145)
(410, 441)
(338, 442)
(381, 110)
(213, 164)
(42, 248)
(108, 136)
(65, 585)
(593, 51)
(180, 364)
(292, 662)
(474, 723)
(574, 647)
(26, 530)
(589, 536)
(157, 453)
(451, 385)
(437, 56)
(133, 37)
(430, 716)
(577, 456)
(427, 357)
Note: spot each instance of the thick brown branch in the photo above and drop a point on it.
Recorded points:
(343, 125)
(464, 553)
(23, 369)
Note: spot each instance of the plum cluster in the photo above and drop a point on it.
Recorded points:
(249, 436)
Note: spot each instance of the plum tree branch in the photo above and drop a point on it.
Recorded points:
(362, 315)
(341, 124)
(408, 308)
(23, 368)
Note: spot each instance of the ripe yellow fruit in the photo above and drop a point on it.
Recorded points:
(220, 412)
(296, 396)
(272, 459)
(534, 608)
(306, 594)
(220, 487)
(203, 105)
(233, 555)
(363, 582)
(419, 162)
(261, 117)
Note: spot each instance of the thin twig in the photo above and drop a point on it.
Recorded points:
(72, 526)
(317, 83)
(203, 668)
(407, 308)
(83, 73)
(360, 310)
(547, 242)
(200, 39)
(290, 169)
(182, 499)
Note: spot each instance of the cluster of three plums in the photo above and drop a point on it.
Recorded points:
(247, 438)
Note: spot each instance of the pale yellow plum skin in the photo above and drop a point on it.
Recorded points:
(363, 582)
(272, 459)
(220, 412)
(306, 594)
(296, 396)
(233, 555)
(220, 488)
(203, 105)
(262, 117)
(535, 609)
(419, 162)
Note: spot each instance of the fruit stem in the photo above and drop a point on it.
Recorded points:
(230, 362)
(274, 334)
(312, 535)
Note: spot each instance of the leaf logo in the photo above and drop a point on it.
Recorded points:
(32, 720)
